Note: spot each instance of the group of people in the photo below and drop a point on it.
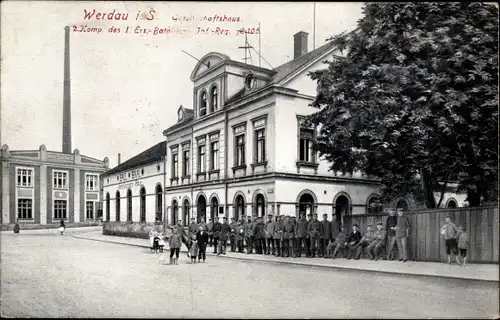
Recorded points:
(456, 240)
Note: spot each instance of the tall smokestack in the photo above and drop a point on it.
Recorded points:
(119, 158)
(66, 135)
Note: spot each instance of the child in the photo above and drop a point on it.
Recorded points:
(62, 227)
(194, 248)
(175, 245)
(463, 243)
(449, 231)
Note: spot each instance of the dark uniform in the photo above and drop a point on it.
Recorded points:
(240, 235)
(375, 247)
(352, 241)
(232, 236)
(278, 236)
(367, 239)
(216, 229)
(315, 231)
(390, 225)
(259, 236)
(308, 238)
(269, 231)
(224, 236)
(288, 236)
(250, 226)
(300, 235)
(326, 236)
(210, 232)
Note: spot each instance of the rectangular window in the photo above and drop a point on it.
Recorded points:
(25, 178)
(240, 150)
(306, 153)
(60, 180)
(60, 209)
(185, 163)
(24, 208)
(214, 155)
(201, 159)
(175, 165)
(260, 146)
(91, 182)
(89, 210)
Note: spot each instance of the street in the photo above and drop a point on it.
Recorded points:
(44, 274)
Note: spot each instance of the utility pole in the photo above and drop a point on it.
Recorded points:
(314, 25)
(246, 47)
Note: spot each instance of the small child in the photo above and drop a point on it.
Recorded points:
(449, 231)
(463, 243)
(62, 227)
(194, 248)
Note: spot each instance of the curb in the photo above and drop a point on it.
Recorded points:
(305, 264)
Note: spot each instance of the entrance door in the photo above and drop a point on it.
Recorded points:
(201, 208)
(342, 211)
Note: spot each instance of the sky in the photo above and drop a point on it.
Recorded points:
(126, 87)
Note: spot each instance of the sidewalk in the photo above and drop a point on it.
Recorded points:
(482, 272)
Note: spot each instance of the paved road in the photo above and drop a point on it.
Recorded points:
(47, 275)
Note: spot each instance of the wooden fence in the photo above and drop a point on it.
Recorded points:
(426, 242)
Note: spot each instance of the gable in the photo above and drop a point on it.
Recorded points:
(303, 83)
(208, 62)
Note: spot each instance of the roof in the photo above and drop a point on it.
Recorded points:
(152, 154)
(188, 117)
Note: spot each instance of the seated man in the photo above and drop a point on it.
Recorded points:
(338, 245)
(353, 241)
(367, 239)
(376, 246)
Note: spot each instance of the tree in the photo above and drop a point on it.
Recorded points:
(414, 100)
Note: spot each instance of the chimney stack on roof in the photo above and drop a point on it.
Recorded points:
(299, 44)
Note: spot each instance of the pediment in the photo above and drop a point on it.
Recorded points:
(209, 61)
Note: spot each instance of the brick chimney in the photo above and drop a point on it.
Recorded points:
(299, 44)
(66, 134)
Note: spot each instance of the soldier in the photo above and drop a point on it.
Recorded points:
(326, 236)
(269, 235)
(315, 231)
(250, 234)
(374, 247)
(300, 234)
(340, 242)
(210, 232)
(240, 235)
(232, 237)
(308, 238)
(402, 233)
(259, 234)
(278, 235)
(216, 230)
(288, 236)
(390, 228)
(224, 236)
(353, 240)
(367, 239)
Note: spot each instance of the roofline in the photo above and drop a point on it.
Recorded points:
(138, 164)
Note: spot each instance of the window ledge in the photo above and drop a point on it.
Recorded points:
(174, 179)
(243, 166)
(259, 164)
(201, 174)
(214, 171)
(307, 164)
(25, 220)
(186, 177)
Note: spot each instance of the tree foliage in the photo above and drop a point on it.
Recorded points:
(414, 100)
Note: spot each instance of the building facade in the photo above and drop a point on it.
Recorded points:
(134, 190)
(44, 187)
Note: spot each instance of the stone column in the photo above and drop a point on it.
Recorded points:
(76, 198)
(6, 192)
(43, 194)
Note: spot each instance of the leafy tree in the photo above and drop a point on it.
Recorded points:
(414, 100)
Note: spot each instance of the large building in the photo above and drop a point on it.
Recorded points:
(44, 187)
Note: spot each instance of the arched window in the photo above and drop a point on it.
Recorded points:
(117, 205)
(452, 204)
(203, 104)
(129, 205)
(374, 205)
(108, 207)
(185, 212)
(175, 212)
(260, 205)
(159, 203)
(306, 204)
(143, 204)
(214, 208)
(239, 209)
(213, 99)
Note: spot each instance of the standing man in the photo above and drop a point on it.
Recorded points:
(390, 225)
(308, 237)
(240, 235)
(277, 235)
(224, 236)
(288, 235)
(402, 233)
(259, 236)
(269, 235)
(216, 230)
(315, 230)
(232, 237)
(300, 234)
(210, 232)
(202, 239)
(326, 236)
(250, 226)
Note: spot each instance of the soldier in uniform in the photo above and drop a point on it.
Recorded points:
(240, 235)
(308, 238)
(367, 239)
(300, 234)
(210, 232)
(216, 230)
(224, 236)
(278, 235)
(340, 242)
(288, 236)
(315, 231)
(259, 234)
(269, 235)
(326, 236)
(375, 247)
(232, 237)
(390, 228)
(249, 227)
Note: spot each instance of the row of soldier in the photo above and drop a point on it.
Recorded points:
(287, 236)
